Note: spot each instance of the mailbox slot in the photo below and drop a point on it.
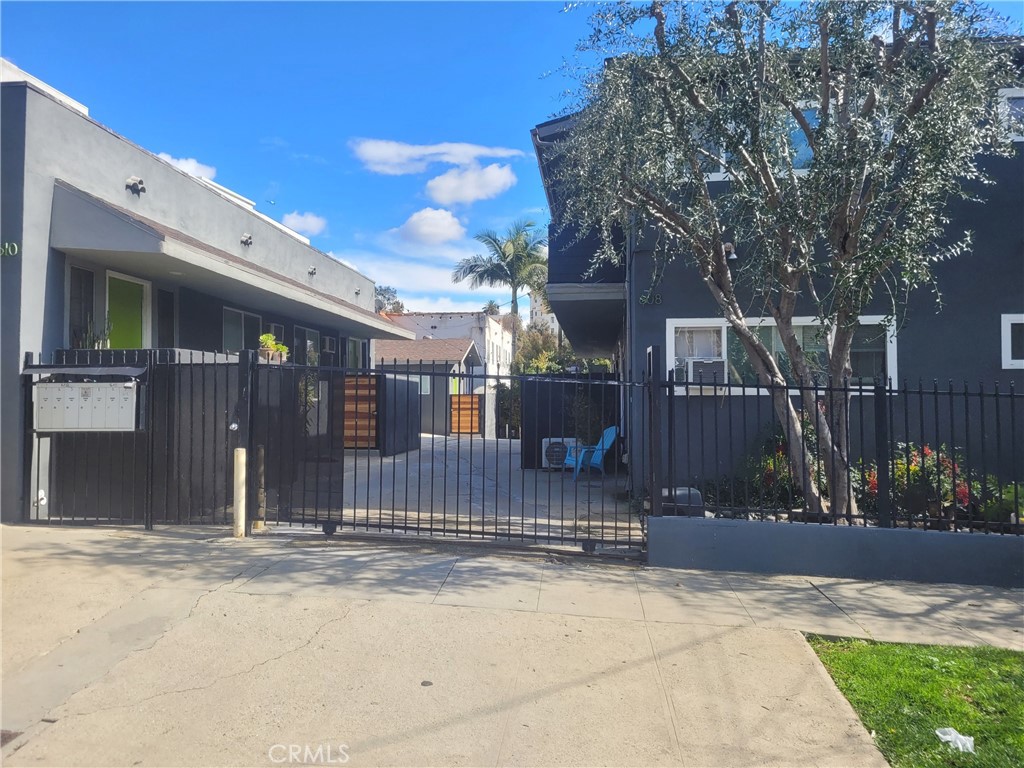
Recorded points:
(89, 406)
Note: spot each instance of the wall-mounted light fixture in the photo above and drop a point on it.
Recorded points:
(311, 272)
(135, 184)
(730, 252)
(246, 238)
(358, 291)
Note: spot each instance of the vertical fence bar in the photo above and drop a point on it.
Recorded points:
(882, 451)
(654, 380)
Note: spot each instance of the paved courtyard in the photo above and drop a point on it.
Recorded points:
(464, 484)
(184, 647)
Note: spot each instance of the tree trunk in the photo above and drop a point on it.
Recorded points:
(801, 460)
(515, 323)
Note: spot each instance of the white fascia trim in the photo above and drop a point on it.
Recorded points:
(891, 357)
(1009, 362)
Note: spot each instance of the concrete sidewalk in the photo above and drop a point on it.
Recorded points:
(185, 648)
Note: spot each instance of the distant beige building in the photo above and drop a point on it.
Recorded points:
(539, 317)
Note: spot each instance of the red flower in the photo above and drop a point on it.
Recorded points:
(873, 483)
(926, 451)
(963, 494)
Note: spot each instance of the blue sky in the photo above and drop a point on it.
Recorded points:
(389, 133)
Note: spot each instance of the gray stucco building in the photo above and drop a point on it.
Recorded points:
(105, 244)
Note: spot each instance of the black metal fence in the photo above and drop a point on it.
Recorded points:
(173, 467)
(927, 457)
(566, 460)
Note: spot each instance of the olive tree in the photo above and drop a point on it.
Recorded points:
(841, 130)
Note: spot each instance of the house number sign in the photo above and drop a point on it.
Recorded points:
(650, 297)
(9, 249)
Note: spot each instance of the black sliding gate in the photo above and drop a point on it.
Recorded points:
(371, 451)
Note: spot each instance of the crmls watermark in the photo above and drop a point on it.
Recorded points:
(309, 754)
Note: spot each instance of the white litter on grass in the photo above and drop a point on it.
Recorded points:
(954, 739)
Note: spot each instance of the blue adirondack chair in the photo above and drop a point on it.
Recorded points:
(591, 456)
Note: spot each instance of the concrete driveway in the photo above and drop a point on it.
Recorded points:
(124, 648)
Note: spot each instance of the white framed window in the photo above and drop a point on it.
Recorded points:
(306, 350)
(1013, 108)
(241, 330)
(1013, 342)
(696, 339)
(872, 353)
(425, 385)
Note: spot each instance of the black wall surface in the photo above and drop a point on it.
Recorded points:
(435, 415)
(547, 411)
(399, 415)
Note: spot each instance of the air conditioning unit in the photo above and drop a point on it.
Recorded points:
(329, 345)
(703, 374)
(553, 451)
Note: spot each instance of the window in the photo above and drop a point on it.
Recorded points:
(307, 346)
(690, 342)
(424, 385)
(872, 353)
(82, 326)
(803, 155)
(355, 357)
(1013, 341)
(241, 330)
(275, 329)
(1013, 109)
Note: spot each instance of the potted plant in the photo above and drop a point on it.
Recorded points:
(96, 338)
(271, 350)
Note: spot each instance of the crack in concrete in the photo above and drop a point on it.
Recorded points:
(219, 678)
(841, 609)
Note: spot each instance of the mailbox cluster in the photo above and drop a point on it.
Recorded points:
(87, 406)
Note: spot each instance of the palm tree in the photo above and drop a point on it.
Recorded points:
(515, 260)
(492, 308)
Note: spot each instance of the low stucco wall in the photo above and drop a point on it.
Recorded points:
(840, 551)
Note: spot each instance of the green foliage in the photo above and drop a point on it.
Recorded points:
(1003, 503)
(903, 693)
(269, 341)
(385, 299)
(509, 407)
(515, 260)
(491, 308)
(927, 482)
(540, 351)
(586, 415)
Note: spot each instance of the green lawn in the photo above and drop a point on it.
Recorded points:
(905, 692)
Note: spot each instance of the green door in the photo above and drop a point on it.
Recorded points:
(125, 305)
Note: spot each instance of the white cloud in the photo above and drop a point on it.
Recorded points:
(466, 185)
(343, 260)
(408, 276)
(432, 226)
(190, 165)
(396, 158)
(305, 223)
